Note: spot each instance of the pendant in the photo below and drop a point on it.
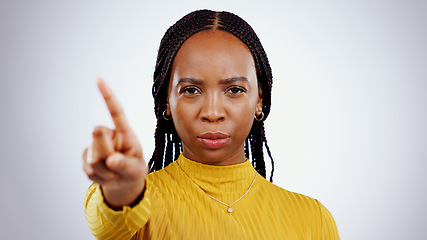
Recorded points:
(230, 210)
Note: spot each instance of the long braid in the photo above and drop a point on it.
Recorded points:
(177, 145)
(168, 144)
(247, 147)
(264, 140)
(255, 137)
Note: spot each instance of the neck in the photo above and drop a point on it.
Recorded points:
(219, 179)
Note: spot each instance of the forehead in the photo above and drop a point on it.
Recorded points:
(213, 51)
(213, 37)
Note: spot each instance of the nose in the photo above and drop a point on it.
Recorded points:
(213, 108)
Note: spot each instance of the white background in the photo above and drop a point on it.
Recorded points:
(348, 121)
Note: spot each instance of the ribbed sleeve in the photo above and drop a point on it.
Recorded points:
(106, 223)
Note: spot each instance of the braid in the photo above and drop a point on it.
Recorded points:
(167, 142)
(247, 154)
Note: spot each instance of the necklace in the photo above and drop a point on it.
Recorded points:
(230, 209)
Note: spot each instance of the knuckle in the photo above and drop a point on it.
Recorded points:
(89, 171)
(100, 131)
(117, 111)
(107, 97)
(91, 176)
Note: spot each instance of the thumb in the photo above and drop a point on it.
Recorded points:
(127, 167)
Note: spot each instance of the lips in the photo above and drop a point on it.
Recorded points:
(213, 140)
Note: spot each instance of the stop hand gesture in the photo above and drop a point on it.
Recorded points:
(115, 158)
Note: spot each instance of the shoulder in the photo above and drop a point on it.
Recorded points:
(287, 200)
(298, 208)
(280, 192)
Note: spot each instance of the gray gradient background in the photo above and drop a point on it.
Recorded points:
(348, 121)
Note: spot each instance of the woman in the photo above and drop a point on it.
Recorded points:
(212, 92)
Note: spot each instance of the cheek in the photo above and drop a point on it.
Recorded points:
(182, 116)
(248, 105)
(243, 114)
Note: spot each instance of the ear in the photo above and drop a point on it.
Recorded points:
(258, 110)
(168, 109)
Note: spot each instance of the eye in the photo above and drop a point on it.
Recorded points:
(236, 90)
(190, 91)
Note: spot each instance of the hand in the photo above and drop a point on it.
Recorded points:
(116, 161)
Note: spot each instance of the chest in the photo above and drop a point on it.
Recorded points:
(189, 213)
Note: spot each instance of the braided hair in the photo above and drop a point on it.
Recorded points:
(167, 142)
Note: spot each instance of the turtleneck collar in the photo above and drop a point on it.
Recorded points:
(218, 179)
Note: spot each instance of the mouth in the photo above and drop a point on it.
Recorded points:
(213, 140)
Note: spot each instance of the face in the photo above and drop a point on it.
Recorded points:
(213, 97)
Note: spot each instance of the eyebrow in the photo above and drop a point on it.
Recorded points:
(223, 81)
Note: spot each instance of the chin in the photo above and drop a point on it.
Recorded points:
(219, 157)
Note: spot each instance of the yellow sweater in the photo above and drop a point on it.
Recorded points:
(176, 205)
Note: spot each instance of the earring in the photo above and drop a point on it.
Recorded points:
(166, 117)
(260, 117)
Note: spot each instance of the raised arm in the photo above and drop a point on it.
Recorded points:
(115, 159)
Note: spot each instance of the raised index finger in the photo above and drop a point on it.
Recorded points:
(116, 110)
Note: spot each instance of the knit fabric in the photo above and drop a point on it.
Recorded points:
(176, 205)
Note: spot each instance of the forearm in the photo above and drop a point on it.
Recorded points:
(106, 223)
